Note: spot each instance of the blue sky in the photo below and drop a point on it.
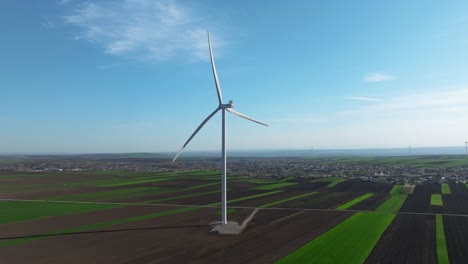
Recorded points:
(134, 75)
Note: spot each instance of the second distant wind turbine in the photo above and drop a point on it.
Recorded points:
(223, 107)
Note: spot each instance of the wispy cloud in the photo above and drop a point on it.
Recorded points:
(378, 77)
(364, 99)
(142, 29)
(437, 103)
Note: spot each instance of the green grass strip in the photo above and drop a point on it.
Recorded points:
(446, 188)
(15, 211)
(436, 199)
(273, 186)
(101, 225)
(396, 189)
(354, 201)
(333, 181)
(288, 199)
(133, 182)
(181, 197)
(442, 254)
(393, 204)
(247, 197)
(350, 242)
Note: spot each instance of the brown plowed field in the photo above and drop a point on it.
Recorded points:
(455, 204)
(266, 199)
(46, 225)
(417, 203)
(458, 188)
(428, 188)
(456, 237)
(321, 200)
(176, 239)
(409, 239)
(356, 185)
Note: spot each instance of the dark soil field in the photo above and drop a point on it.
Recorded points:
(409, 239)
(356, 185)
(455, 204)
(456, 235)
(458, 188)
(428, 188)
(419, 203)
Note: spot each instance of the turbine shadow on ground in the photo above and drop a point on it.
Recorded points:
(102, 231)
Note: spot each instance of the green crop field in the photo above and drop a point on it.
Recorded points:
(402, 189)
(436, 199)
(354, 201)
(446, 188)
(332, 181)
(114, 194)
(273, 186)
(248, 197)
(15, 211)
(396, 189)
(442, 255)
(393, 204)
(350, 242)
(441, 161)
(288, 199)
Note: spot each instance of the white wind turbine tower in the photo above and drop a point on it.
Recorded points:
(223, 107)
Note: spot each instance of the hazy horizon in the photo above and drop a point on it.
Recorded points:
(415, 151)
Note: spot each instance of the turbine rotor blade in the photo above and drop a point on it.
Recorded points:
(218, 87)
(196, 131)
(244, 116)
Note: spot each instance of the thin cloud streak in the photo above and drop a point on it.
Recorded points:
(141, 29)
(429, 104)
(363, 99)
(378, 77)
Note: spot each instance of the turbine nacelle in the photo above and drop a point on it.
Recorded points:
(229, 105)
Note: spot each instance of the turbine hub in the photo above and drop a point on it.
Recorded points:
(229, 105)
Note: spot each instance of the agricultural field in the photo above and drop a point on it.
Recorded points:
(164, 217)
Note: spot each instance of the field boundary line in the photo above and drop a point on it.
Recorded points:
(236, 207)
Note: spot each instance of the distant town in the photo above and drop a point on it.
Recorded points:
(396, 170)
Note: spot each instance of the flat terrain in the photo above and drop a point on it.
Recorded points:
(147, 217)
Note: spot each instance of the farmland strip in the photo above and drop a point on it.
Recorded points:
(446, 188)
(396, 189)
(436, 199)
(349, 242)
(288, 199)
(102, 225)
(15, 211)
(354, 201)
(181, 197)
(442, 254)
(247, 197)
(270, 187)
(393, 204)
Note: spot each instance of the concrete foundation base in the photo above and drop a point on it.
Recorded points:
(231, 228)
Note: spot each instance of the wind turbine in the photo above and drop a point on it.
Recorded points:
(223, 107)
(466, 148)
